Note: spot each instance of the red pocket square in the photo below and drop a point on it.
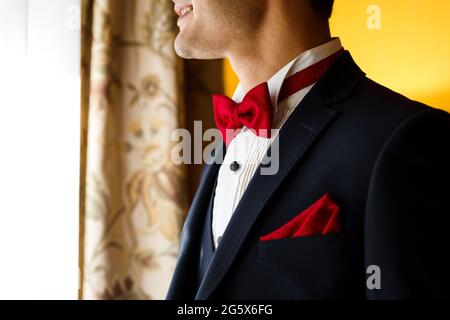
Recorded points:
(320, 218)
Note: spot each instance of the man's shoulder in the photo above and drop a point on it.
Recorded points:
(373, 114)
(386, 103)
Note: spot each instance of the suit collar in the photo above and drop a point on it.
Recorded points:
(298, 134)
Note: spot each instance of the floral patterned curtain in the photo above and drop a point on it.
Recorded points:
(133, 198)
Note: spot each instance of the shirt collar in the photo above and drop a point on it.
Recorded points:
(303, 61)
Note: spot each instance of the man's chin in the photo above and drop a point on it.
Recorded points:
(182, 49)
(194, 49)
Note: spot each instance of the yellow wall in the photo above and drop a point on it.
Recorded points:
(402, 44)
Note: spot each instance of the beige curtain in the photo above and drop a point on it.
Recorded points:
(133, 198)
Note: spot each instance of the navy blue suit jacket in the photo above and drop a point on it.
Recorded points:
(384, 159)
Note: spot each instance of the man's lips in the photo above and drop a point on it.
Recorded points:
(183, 9)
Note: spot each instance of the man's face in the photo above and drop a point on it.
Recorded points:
(210, 28)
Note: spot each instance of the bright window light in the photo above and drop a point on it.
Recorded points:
(39, 140)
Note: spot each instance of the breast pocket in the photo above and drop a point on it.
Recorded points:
(302, 246)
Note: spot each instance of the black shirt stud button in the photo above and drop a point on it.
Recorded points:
(234, 166)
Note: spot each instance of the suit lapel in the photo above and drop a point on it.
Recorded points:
(184, 283)
(298, 134)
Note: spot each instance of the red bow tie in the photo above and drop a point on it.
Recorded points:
(255, 111)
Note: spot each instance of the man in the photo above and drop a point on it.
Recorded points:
(358, 205)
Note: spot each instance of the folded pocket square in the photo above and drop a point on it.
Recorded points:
(322, 217)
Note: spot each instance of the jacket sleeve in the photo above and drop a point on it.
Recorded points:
(407, 218)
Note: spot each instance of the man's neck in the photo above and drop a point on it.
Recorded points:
(279, 40)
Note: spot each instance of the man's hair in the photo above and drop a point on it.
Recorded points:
(323, 7)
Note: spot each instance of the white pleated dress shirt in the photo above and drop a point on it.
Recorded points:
(247, 149)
